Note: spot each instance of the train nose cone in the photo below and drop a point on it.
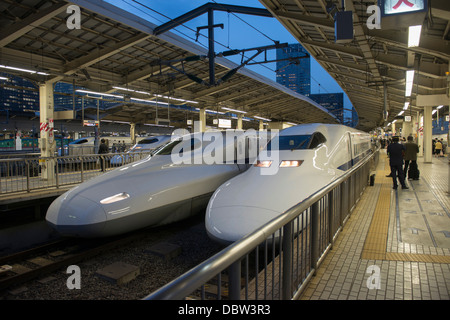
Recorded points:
(76, 216)
(231, 223)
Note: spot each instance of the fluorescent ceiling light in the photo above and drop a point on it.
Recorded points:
(149, 101)
(156, 95)
(261, 118)
(172, 98)
(434, 111)
(99, 93)
(115, 121)
(157, 125)
(414, 35)
(3, 78)
(234, 110)
(409, 82)
(401, 112)
(212, 111)
(124, 89)
(406, 106)
(440, 106)
(23, 70)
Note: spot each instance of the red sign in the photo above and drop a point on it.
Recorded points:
(390, 7)
(409, 4)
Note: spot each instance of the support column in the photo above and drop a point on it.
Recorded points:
(133, 133)
(427, 134)
(420, 134)
(448, 135)
(407, 128)
(202, 124)
(239, 121)
(261, 125)
(393, 129)
(47, 140)
(414, 124)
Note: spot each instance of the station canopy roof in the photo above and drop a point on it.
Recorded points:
(117, 49)
(374, 57)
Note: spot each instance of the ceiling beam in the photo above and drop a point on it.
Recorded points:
(306, 20)
(18, 29)
(428, 45)
(104, 53)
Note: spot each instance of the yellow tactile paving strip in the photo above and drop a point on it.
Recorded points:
(376, 240)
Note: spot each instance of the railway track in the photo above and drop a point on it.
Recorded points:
(53, 259)
(27, 265)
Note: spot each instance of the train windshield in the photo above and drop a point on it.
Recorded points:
(148, 141)
(80, 141)
(297, 142)
(187, 146)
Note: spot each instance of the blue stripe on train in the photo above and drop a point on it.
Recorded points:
(352, 162)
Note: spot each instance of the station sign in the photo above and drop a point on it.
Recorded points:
(90, 123)
(394, 7)
(398, 14)
(225, 123)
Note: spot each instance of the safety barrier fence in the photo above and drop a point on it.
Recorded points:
(33, 172)
(277, 260)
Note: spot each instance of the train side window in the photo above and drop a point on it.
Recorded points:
(317, 140)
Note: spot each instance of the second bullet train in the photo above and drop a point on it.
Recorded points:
(296, 163)
(174, 183)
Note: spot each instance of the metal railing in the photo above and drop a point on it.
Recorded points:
(277, 260)
(26, 174)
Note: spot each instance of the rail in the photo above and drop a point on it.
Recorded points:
(277, 260)
(26, 174)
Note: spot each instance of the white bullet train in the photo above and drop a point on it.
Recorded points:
(304, 159)
(144, 145)
(173, 184)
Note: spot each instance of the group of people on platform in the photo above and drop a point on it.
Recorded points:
(403, 161)
(403, 158)
(438, 147)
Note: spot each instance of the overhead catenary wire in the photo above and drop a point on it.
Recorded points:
(203, 36)
(189, 28)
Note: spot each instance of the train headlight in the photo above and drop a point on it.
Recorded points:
(263, 163)
(115, 198)
(290, 163)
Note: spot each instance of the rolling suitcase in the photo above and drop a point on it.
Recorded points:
(413, 171)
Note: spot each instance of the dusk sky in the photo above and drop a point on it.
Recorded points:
(240, 32)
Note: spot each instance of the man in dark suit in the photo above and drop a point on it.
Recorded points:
(396, 152)
(103, 148)
(411, 150)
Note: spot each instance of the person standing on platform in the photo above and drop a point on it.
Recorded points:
(444, 147)
(438, 148)
(411, 159)
(103, 148)
(396, 152)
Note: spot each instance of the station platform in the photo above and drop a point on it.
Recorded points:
(396, 243)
